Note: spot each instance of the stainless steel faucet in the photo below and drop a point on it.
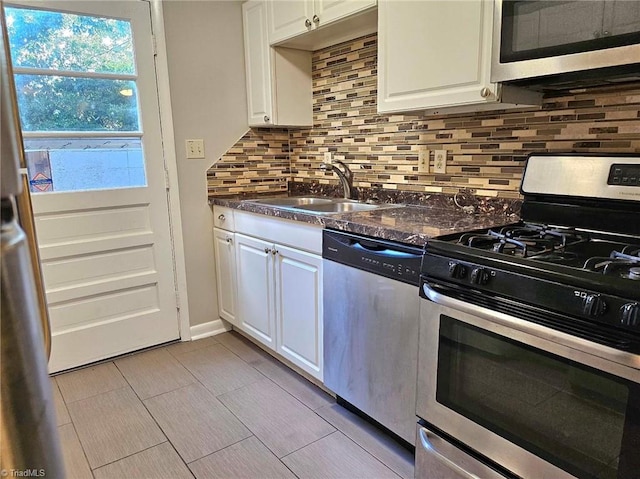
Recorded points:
(345, 175)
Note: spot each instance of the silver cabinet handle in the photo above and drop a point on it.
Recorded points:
(266, 119)
(485, 92)
(307, 23)
(267, 250)
(425, 439)
(274, 252)
(316, 19)
(221, 217)
(229, 240)
(606, 33)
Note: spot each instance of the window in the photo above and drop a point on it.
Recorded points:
(75, 81)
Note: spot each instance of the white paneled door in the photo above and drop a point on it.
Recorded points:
(86, 87)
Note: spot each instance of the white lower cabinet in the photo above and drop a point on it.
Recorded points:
(225, 254)
(280, 299)
(299, 308)
(256, 289)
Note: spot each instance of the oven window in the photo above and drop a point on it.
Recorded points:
(571, 415)
(541, 29)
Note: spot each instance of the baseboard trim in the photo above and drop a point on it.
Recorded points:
(204, 330)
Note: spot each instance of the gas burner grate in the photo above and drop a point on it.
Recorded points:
(624, 263)
(526, 240)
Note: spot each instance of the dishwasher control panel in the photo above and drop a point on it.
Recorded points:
(385, 258)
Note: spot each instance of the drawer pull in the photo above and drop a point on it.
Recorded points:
(221, 217)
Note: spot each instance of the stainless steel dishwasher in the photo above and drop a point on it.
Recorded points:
(371, 318)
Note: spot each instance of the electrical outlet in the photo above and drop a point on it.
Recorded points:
(327, 158)
(440, 161)
(195, 149)
(423, 161)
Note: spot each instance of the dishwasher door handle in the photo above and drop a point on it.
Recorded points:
(392, 253)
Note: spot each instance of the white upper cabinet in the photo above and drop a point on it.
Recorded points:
(291, 18)
(278, 79)
(437, 54)
(328, 11)
(288, 18)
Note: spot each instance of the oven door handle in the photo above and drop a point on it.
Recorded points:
(426, 439)
(568, 341)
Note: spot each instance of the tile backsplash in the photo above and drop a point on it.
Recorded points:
(486, 151)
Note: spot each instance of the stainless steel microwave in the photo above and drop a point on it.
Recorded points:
(563, 40)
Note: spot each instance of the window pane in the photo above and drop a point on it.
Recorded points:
(63, 41)
(53, 103)
(74, 164)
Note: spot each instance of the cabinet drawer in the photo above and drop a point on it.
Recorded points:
(223, 218)
(281, 231)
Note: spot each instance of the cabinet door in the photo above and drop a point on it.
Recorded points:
(433, 54)
(256, 291)
(328, 11)
(258, 61)
(299, 308)
(288, 18)
(225, 255)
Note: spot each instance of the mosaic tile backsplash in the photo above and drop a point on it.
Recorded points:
(486, 151)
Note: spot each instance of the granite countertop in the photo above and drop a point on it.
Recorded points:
(403, 223)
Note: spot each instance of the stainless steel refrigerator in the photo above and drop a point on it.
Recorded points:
(29, 443)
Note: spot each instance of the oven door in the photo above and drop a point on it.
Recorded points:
(526, 397)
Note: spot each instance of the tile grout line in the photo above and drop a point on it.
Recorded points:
(164, 392)
(348, 435)
(155, 422)
(175, 355)
(312, 442)
(162, 430)
(130, 455)
(213, 393)
(188, 385)
(374, 457)
(84, 453)
(93, 395)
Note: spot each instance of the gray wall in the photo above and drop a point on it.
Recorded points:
(208, 99)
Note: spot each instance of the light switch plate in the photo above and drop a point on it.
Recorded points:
(328, 158)
(195, 149)
(423, 161)
(440, 161)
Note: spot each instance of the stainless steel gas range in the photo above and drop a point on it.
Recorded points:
(529, 360)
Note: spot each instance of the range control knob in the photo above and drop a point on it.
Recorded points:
(594, 305)
(630, 314)
(457, 270)
(480, 276)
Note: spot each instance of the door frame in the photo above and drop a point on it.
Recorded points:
(171, 167)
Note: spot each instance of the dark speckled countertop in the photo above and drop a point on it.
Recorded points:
(403, 223)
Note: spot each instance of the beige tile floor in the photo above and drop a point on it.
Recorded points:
(214, 408)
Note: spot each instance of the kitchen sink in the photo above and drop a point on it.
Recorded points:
(319, 206)
(339, 207)
(294, 201)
